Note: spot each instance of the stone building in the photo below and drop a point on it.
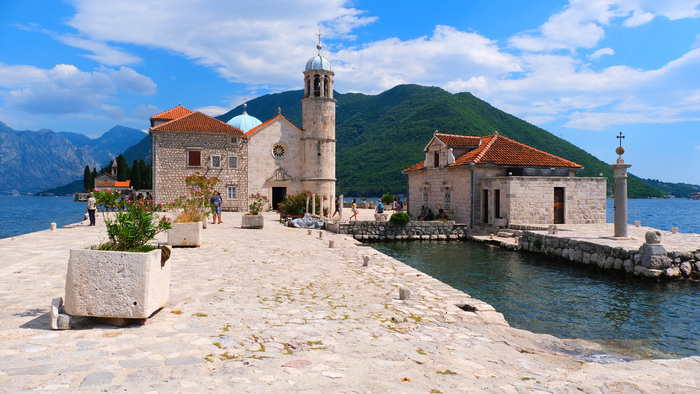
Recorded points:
(109, 180)
(274, 158)
(495, 181)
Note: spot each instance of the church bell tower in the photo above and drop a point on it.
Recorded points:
(318, 122)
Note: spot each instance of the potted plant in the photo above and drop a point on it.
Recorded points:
(253, 219)
(124, 277)
(191, 211)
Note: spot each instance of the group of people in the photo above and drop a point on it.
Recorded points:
(427, 214)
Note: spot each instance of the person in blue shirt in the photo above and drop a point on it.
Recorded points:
(216, 200)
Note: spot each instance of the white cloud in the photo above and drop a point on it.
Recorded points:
(213, 110)
(103, 53)
(65, 89)
(600, 53)
(638, 18)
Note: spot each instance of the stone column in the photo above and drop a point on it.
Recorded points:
(620, 176)
(320, 205)
(313, 204)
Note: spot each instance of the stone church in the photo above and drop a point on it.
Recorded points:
(274, 158)
(493, 181)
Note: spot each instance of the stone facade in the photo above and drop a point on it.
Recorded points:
(171, 167)
(530, 200)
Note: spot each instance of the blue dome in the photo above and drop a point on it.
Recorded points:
(245, 122)
(318, 62)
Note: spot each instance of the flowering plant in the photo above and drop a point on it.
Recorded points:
(133, 228)
(257, 204)
(106, 199)
(197, 204)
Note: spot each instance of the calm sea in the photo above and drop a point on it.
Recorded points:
(637, 318)
(22, 215)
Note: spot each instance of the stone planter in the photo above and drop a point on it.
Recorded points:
(185, 234)
(252, 221)
(116, 284)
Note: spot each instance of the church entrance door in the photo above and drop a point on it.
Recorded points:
(278, 194)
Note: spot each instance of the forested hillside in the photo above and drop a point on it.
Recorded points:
(380, 135)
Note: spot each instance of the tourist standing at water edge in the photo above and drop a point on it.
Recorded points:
(91, 205)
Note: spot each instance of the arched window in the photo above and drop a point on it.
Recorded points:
(317, 86)
(325, 87)
(308, 87)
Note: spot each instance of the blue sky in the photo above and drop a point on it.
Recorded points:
(583, 69)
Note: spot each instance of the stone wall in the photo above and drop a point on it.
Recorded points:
(679, 264)
(530, 199)
(170, 165)
(386, 231)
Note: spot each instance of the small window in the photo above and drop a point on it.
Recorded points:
(437, 159)
(231, 192)
(234, 140)
(425, 196)
(215, 161)
(233, 162)
(448, 198)
(194, 158)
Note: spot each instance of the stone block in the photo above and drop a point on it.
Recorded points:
(404, 293)
(686, 268)
(653, 256)
(185, 234)
(252, 221)
(116, 284)
(650, 273)
(673, 272)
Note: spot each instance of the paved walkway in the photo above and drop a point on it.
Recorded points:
(277, 310)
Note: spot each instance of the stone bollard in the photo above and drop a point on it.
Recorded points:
(674, 230)
(309, 231)
(53, 226)
(331, 244)
(320, 235)
(552, 229)
(365, 260)
(404, 293)
(637, 223)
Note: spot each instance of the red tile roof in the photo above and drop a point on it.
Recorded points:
(198, 122)
(452, 140)
(172, 114)
(501, 151)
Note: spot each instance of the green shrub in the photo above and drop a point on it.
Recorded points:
(387, 200)
(295, 204)
(400, 218)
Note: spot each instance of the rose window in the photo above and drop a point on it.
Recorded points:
(278, 150)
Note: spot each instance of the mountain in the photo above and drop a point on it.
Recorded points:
(142, 150)
(109, 145)
(31, 161)
(380, 135)
(678, 190)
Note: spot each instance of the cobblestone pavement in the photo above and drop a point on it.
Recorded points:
(278, 310)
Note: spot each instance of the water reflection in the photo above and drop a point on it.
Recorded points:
(641, 319)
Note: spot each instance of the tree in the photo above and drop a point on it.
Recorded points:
(146, 175)
(94, 175)
(88, 180)
(122, 169)
(136, 175)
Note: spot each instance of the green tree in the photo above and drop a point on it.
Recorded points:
(94, 175)
(136, 175)
(88, 180)
(122, 169)
(146, 175)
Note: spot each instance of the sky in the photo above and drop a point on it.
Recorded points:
(584, 70)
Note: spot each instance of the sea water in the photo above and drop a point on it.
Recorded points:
(642, 319)
(24, 214)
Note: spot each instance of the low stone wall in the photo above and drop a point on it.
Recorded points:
(680, 265)
(386, 231)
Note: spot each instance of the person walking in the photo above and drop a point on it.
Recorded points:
(337, 208)
(216, 200)
(91, 206)
(354, 209)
